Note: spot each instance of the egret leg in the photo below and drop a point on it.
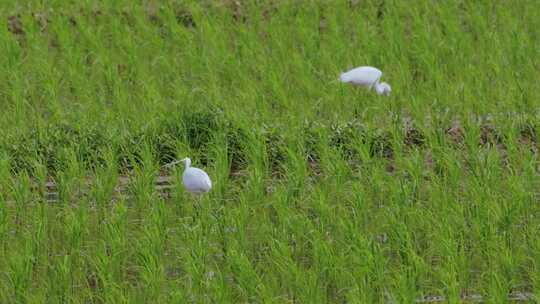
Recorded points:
(198, 206)
(198, 202)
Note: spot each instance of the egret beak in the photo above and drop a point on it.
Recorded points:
(172, 164)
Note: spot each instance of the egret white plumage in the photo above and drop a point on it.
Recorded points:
(368, 77)
(194, 179)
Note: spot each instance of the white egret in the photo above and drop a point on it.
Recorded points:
(195, 180)
(368, 77)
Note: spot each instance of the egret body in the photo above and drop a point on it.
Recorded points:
(368, 77)
(194, 179)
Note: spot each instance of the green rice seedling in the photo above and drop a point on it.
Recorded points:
(19, 267)
(4, 193)
(61, 272)
(19, 274)
(71, 178)
(142, 178)
(21, 195)
(106, 260)
(150, 252)
(5, 222)
(106, 179)
(42, 180)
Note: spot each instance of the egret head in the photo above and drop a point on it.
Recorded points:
(186, 161)
(383, 89)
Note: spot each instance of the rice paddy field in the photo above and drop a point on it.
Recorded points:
(322, 192)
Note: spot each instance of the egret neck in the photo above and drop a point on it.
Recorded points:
(187, 161)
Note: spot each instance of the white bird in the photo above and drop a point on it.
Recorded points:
(368, 77)
(195, 180)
